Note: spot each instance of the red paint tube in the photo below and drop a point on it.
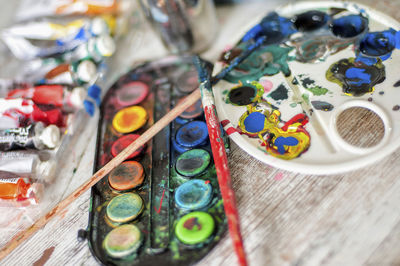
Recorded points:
(21, 112)
(53, 94)
(19, 192)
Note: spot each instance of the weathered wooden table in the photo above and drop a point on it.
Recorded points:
(286, 218)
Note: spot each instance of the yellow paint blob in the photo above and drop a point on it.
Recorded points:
(129, 119)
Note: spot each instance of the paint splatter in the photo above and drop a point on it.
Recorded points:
(323, 106)
(245, 94)
(349, 26)
(379, 44)
(45, 257)
(278, 176)
(280, 93)
(266, 61)
(396, 107)
(356, 78)
(397, 84)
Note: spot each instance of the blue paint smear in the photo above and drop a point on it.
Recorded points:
(369, 61)
(274, 27)
(281, 142)
(379, 44)
(254, 122)
(359, 74)
(349, 26)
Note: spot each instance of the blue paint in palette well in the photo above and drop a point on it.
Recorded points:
(192, 134)
(254, 122)
(193, 195)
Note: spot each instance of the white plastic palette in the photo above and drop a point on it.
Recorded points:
(327, 153)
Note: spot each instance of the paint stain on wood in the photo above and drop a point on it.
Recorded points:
(45, 257)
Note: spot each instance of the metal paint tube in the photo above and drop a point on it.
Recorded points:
(31, 137)
(27, 164)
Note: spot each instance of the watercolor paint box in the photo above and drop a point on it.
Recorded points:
(175, 208)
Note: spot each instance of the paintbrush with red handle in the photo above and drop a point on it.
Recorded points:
(220, 158)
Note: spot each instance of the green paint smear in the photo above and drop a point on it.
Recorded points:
(293, 105)
(317, 90)
(268, 60)
(306, 97)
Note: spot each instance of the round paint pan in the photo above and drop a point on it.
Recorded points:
(124, 208)
(132, 93)
(193, 162)
(126, 176)
(326, 67)
(192, 134)
(123, 142)
(195, 228)
(187, 81)
(193, 195)
(193, 111)
(122, 241)
(129, 119)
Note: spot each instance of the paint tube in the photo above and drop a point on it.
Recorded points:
(31, 137)
(79, 72)
(19, 192)
(20, 112)
(52, 94)
(30, 9)
(25, 163)
(95, 49)
(45, 30)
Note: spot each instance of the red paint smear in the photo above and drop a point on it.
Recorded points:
(120, 144)
(191, 223)
(45, 257)
(299, 118)
(162, 198)
(278, 176)
(207, 182)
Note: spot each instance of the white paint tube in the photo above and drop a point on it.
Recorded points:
(22, 163)
(33, 136)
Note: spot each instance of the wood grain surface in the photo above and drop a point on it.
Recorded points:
(286, 218)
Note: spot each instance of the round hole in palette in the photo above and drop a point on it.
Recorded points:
(135, 209)
(282, 103)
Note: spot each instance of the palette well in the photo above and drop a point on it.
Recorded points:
(320, 59)
(162, 206)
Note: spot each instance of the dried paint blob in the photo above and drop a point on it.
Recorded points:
(280, 93)
(310, 20)
(129, 119)
(379, 43)
(132, 93)
(192, 134)
(192, 111)
(195, 228)
(193, 162)
(245, 94)
(356, 78)
(122, 241)
(349, 26)
(127, 175)
(123, 142)
(124, 208)
(254, 122)
(188, 81)
(193, 195)
(323, 106)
